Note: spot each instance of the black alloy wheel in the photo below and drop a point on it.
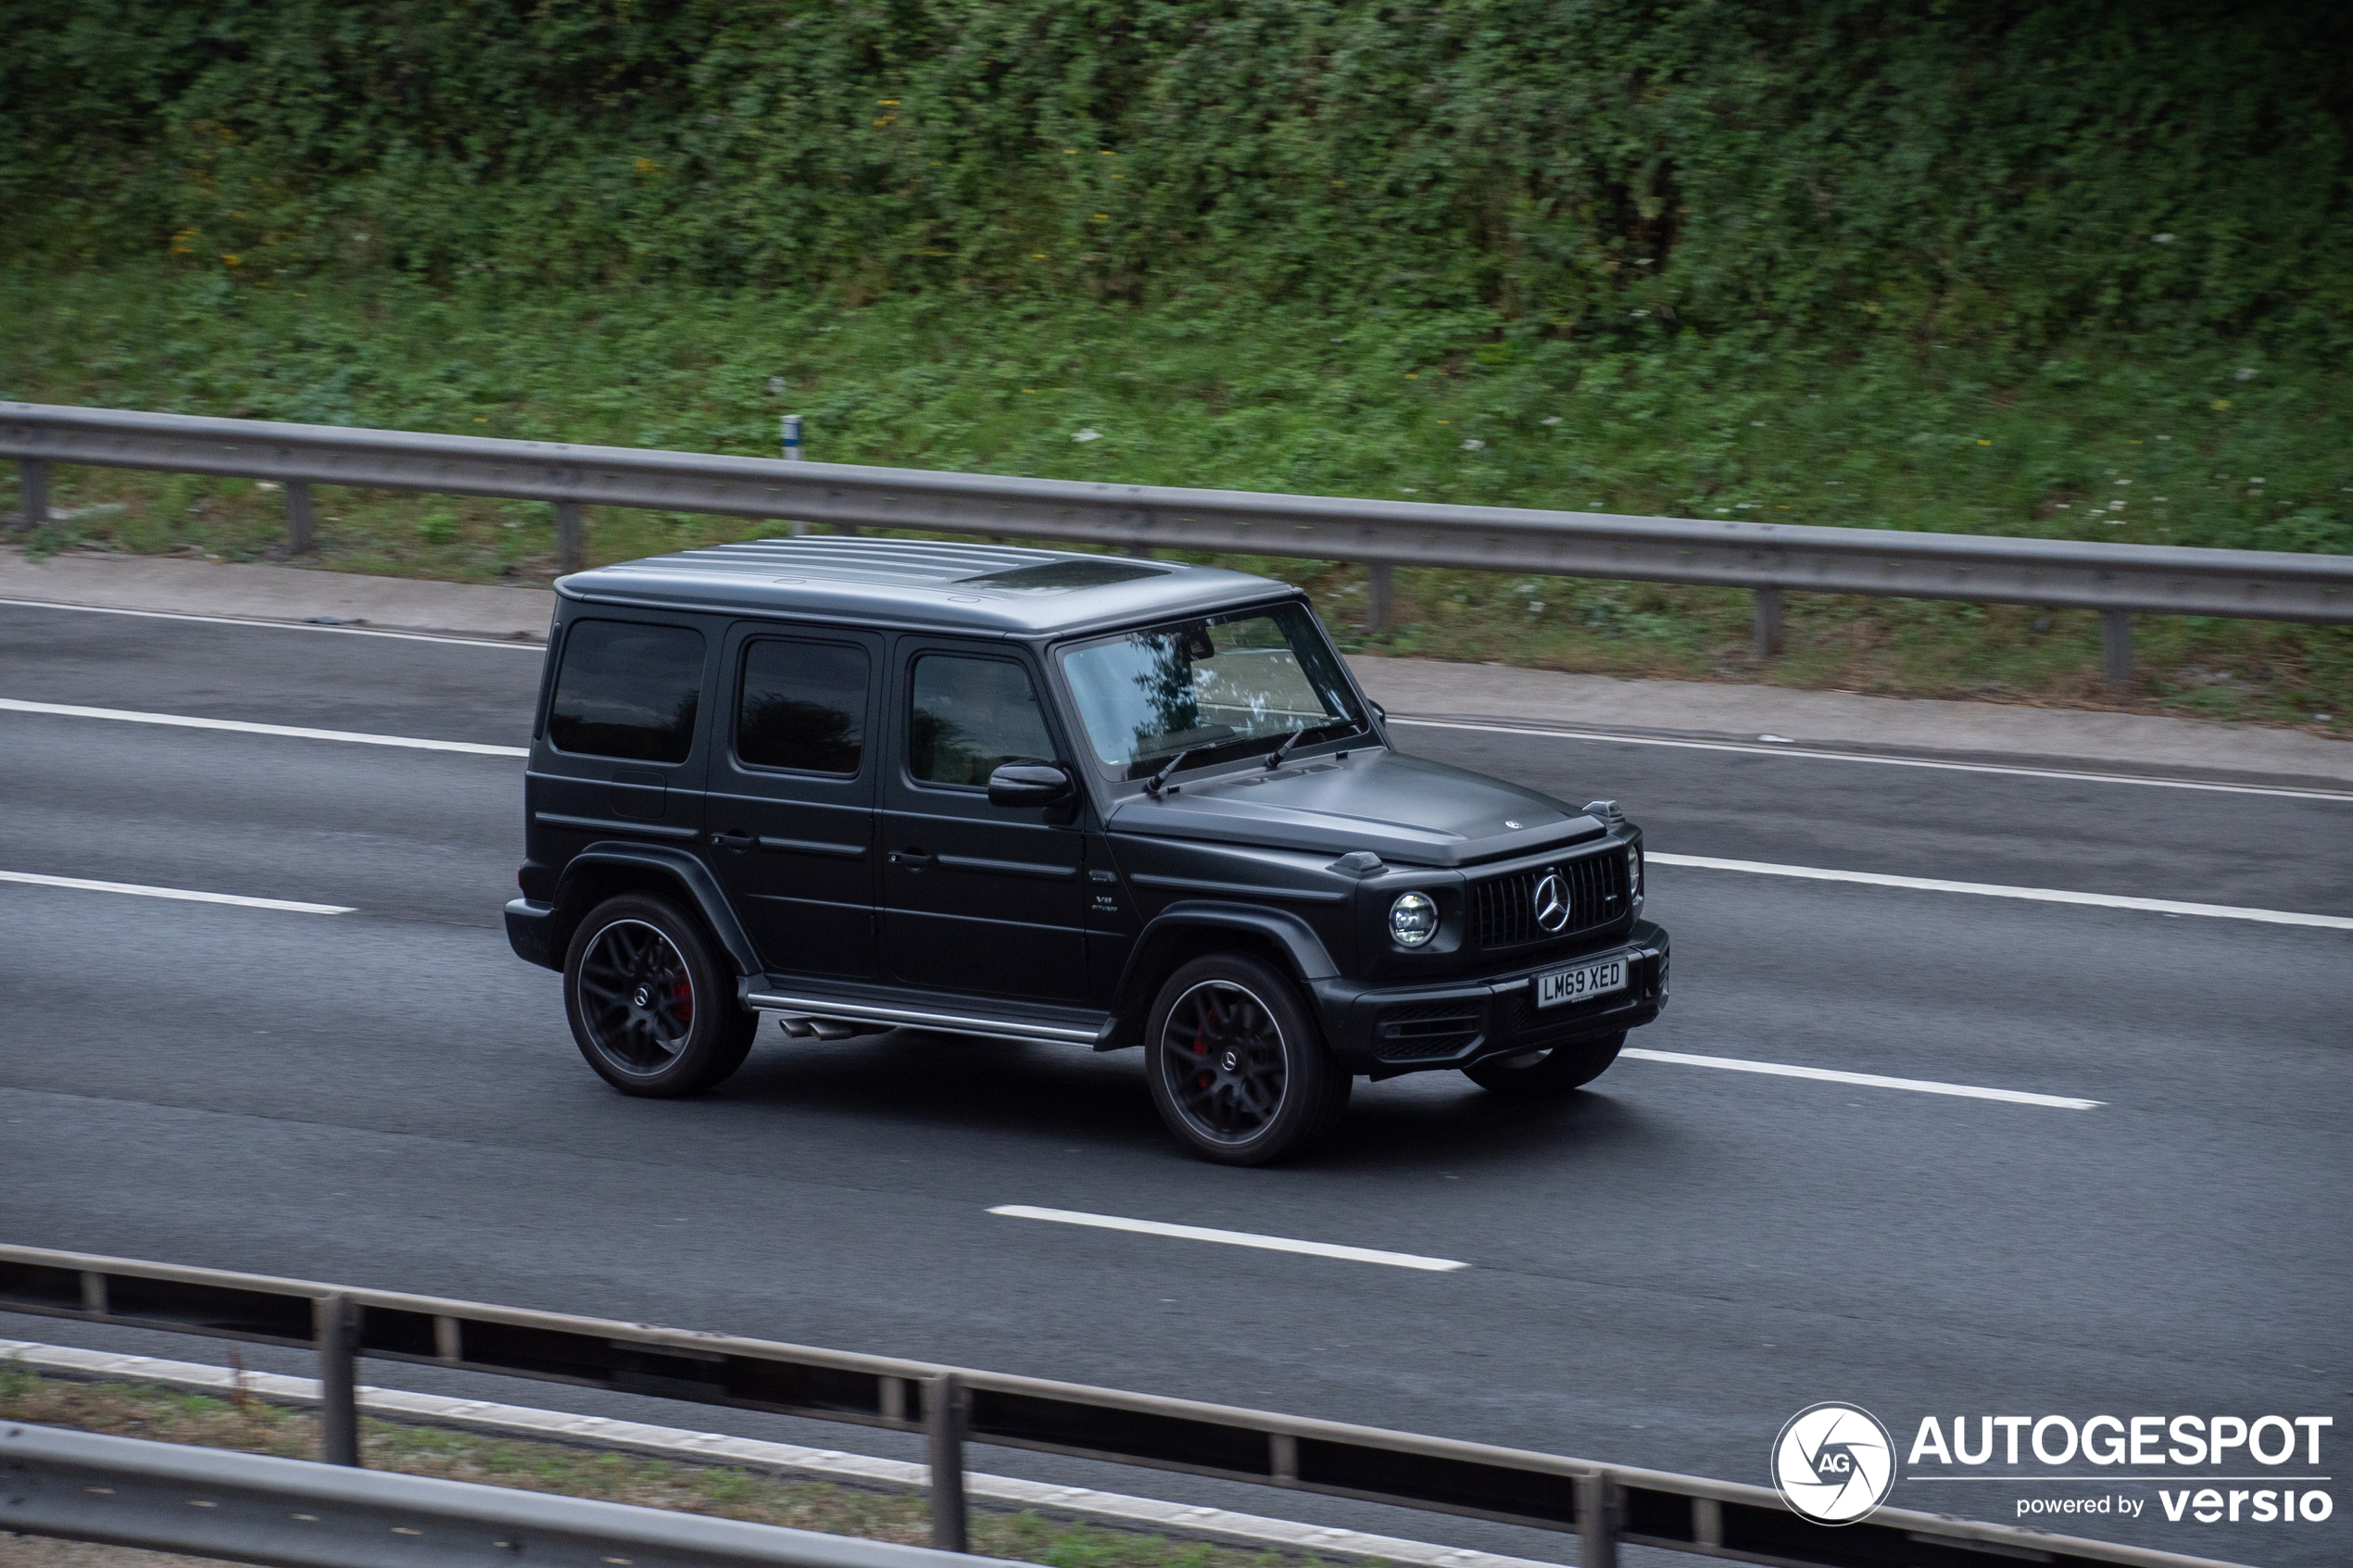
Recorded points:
(1535, 1074)
(648, 1005)
(1236, 1066)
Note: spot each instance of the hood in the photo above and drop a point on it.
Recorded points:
(1408, 811)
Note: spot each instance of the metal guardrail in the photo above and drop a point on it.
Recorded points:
(1769, 560)
(1601, 1504)
(254, 1508)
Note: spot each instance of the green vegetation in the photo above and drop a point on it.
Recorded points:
(1984, 270)
(173, 1416)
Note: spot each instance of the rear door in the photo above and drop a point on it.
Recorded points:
(976, 898)
(791, 802)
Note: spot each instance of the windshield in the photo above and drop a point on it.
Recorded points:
(1228, 685)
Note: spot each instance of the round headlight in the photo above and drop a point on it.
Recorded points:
(1634, 873)
(1412, 918)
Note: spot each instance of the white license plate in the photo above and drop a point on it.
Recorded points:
(1581, 983)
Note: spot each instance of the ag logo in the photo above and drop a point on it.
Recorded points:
(1833, 1463)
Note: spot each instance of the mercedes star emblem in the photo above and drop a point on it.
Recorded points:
(1552, 901)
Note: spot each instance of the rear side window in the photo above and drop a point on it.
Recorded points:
(803, 707)
(627, 690)
(969, 715)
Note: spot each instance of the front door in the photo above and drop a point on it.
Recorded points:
(791, 803)
(976, 897)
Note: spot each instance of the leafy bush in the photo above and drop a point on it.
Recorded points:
(2008, 173)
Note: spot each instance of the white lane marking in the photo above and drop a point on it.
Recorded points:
(186, 895)
(1995, 890)
(1863, 1080)
(1814, 755)
(538, 644)
(297, 732)
(1230, 1239)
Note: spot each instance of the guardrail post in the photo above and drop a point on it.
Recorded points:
(335, 1329)
(34, 486)
(1380, 594)
(2115, 647)
(1768, 622)
(944, 1423)
(1596, 1522)
(299, 540)
(568, 536)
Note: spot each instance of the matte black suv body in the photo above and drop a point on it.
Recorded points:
(873, 783)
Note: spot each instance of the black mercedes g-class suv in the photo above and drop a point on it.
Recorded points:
(866, 784)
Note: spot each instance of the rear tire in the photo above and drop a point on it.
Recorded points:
(652, 1006)
(1540, 1074)
(1237, 1069)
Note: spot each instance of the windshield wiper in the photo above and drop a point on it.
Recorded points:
(1153, 785)
(1275, 758)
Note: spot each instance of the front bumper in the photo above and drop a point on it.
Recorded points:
(1385, 1030)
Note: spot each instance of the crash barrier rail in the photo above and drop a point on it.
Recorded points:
(1601, 1504)
(1769, 560)
(255, 1507)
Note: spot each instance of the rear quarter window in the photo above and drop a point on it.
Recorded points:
(628, 691)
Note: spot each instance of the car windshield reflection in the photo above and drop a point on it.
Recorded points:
(1218, 687)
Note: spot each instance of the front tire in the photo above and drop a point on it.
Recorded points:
(1540, 1074)
(650, 1006)
(1237, 1067)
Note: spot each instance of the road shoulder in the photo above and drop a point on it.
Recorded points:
(1426, 689)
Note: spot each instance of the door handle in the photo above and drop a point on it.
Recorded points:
(734, 838)
(913, 860)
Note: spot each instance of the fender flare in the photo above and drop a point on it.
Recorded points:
(1309, 960)
(686, 875)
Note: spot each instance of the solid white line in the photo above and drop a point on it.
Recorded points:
(1819, 756)
(538, 644)
(185, 894)
(1862, 1080)
(1230, 1239)
(240, 726)
(1995, 890)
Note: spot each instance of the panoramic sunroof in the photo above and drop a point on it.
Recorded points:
(1060, 575)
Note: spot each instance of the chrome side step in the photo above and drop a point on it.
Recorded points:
(810, 1007)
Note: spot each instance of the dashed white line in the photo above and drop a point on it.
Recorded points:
(1818, 755)
(1996, 890)
(1229, 1238)
(1862, 1080)
(184, 895)
(245, 727)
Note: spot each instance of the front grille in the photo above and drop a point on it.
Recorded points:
(1423, 1031)
(1503, 908)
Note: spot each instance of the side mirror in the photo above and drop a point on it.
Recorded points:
(1378, 711)
(1022, 784)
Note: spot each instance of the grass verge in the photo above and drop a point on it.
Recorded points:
(253, 1426)
(2103, 441)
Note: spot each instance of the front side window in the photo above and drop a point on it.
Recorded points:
(628, 691)
(967, 717)
(1223, 686)
(803, 707)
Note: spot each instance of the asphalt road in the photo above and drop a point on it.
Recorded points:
(1663, 1269)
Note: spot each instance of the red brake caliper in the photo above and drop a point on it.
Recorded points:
(683, 1002)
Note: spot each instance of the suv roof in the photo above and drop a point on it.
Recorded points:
(910, 581)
